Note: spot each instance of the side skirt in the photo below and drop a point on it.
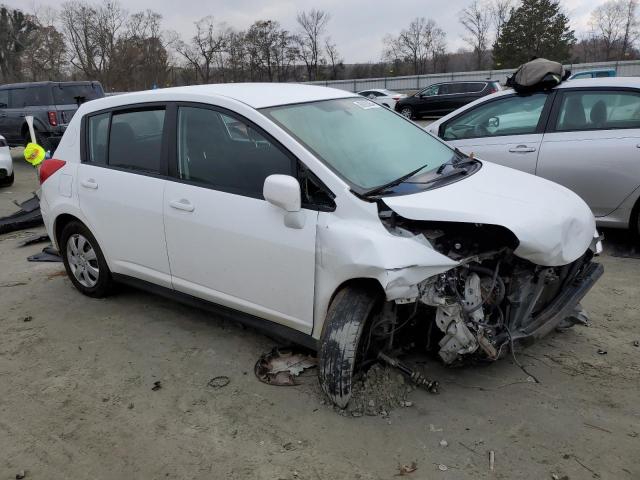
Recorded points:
(266, 326)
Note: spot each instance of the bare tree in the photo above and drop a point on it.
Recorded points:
(313, 25)
(476, 20)
(500, 11)
(333, 56)
(208, 42)
(608, 23)
(44, 57)
(16, 29)
(631, 31)
(420, 43)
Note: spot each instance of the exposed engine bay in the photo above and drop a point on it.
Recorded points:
(490, 301)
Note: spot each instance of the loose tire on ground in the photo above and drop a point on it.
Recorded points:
(104, 281)
(346, 320)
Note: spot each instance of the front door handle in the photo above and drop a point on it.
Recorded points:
(89, 183)
(182, 204)
(522, 149)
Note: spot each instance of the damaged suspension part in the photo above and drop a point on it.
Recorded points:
(416, 377)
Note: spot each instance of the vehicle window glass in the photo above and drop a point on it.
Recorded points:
(69, 94)
(514, 115)
(38, 96)
(445, 89)
(98, 131)
(582, 75)
(4, 98)
(599, 110)
(364, 143)
(474, 87)
(365, 93)
(17, 97)
(602, 74)
(135, 140)
(226, 153)
(432, 90)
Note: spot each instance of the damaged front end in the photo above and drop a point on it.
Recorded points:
(490, 301)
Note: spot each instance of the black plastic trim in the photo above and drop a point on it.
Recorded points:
(258, 323)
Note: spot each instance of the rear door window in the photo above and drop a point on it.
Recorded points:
(17, 97)
(135, 140)
(513, 115)
(474, 87)
(4, 98)
(598, 110)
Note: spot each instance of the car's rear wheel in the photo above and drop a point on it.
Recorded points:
(407, 112)
(349, 314)
(7, 181)
(83, 260)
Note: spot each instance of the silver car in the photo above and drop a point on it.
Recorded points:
(583, 134)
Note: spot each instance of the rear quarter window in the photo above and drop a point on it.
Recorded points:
(38, 96)
(72, 94)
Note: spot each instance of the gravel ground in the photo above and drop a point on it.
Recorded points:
(76, 397)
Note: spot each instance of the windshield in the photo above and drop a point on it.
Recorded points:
(363, 142)
(66, 94)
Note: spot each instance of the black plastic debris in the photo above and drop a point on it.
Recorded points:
(281, 366)
(37, 238)
(48, 254)
(601, 351)
(157, 385)
(28, 216)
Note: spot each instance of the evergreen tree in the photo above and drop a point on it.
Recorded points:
(537, 28)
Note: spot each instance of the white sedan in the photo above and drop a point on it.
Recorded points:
(6, 164)
(382, 96)
(583, 134)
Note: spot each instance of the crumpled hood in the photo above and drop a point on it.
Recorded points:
(553, 224)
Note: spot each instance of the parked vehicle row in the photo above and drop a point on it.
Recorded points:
(382, 96)
(319, 215)
(583, 134)
(51, 104)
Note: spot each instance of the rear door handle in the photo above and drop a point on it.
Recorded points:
(89, 183)
(182, 204)
(522, 149)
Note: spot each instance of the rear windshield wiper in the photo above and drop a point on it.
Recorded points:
(393, 183)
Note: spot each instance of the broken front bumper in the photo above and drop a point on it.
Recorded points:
(560, 308)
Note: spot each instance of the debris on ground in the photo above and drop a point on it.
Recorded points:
(636, 343)
(444, 443)
(20, 475)
(48, 254)
(378, 391)
(492, 460)
(282, 365)
(442, 467)
(406, 469)
(602, 352)
(157, 385)
(28, 318)
(219, 381)
(37, 238)
(28, 216)
(414, 375)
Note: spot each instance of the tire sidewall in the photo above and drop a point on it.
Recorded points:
(102, 287)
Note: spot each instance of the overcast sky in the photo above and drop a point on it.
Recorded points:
(356, 26)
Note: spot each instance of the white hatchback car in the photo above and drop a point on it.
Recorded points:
(318, 215)
(382, 96)
(6, 164)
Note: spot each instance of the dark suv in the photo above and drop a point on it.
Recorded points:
(443, 98)
(52, 104)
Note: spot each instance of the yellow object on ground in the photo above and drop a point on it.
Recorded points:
(34, 154)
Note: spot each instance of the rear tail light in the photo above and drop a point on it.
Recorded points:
(49, 167)
(396, 97)
(53, 118)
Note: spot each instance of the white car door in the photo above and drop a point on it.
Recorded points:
(120, 188)
(593, 145)
(506, 130)
(226, 244)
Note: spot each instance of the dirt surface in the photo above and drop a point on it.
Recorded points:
(77, 397)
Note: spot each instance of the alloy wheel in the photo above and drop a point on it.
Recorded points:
(83, 260)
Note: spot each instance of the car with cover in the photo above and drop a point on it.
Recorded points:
(51, 104)
(583, 134)
(318, 215)
(442, 98)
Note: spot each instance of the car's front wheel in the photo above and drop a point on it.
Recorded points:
(407, 112)
(348, 317)
(83, 260)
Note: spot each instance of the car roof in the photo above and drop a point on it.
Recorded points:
(595, 70)
(256, 95)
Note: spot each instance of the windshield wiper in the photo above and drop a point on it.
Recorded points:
(443, 176)
(393, 183)
(458, 161)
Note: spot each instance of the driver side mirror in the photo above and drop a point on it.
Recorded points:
(493, 122)
(283, 191)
